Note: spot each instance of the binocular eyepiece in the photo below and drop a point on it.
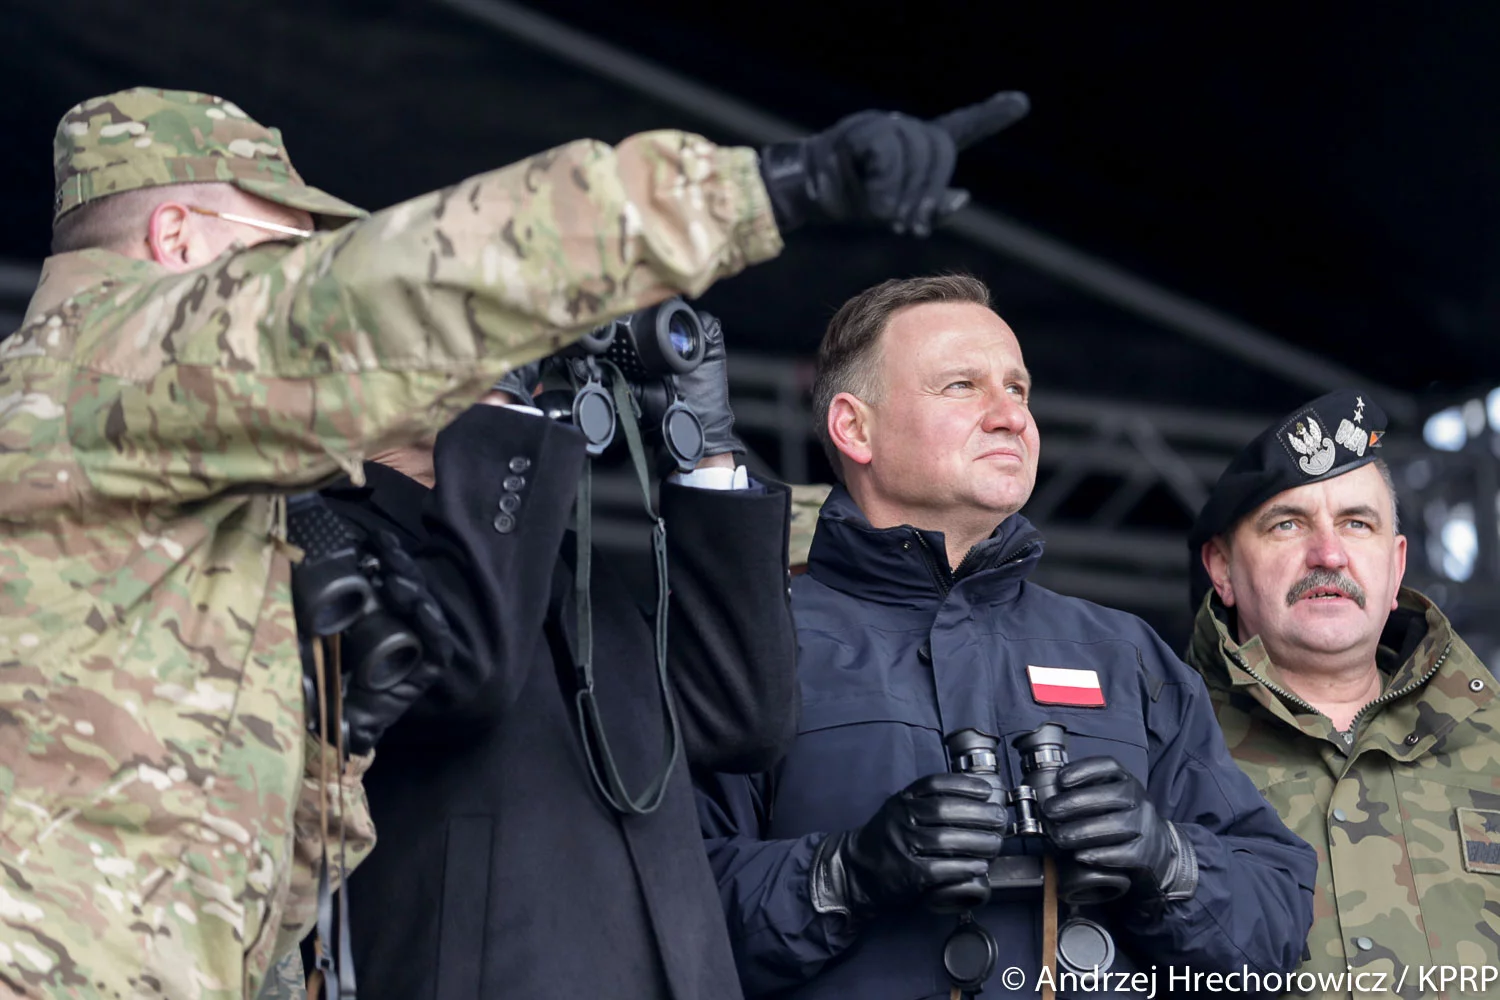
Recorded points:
(660, 341)
(1043, 752)
(333, 592)
(650, 348)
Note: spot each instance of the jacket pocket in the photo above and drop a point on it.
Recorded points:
(1451, 838)
(466, 890)
(851, 754)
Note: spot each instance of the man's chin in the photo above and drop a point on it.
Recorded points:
(1004, 499)
(1333, 636)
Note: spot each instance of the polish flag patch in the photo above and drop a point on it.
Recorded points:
(1072, 686)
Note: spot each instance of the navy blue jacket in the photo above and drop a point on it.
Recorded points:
(894, 651)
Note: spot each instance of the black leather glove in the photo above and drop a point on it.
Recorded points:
(881, 167)
(1102, 815)
(706, 390)
(520, 382)
(936, 834)
(370, 710)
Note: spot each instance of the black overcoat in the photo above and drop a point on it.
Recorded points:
(499, 870)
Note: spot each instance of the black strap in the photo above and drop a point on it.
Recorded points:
(595, 743)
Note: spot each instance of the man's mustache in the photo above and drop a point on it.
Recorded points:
(1326, 578)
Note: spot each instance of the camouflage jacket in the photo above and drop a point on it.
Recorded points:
(154, 833)
(1404, 813)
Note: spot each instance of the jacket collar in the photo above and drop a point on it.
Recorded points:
(909, 566)
(1417, 645)
(65, 275)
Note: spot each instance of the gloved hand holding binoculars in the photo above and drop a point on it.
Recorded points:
(937, 843)
(395, 640)
(669, 359)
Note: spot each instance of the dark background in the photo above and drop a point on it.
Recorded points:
(1324, 172)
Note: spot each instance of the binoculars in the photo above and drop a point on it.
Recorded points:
(649, 348)
(970, 952)
(335, 590)
(1043, 753)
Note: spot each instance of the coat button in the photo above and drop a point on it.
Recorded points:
(1340, 815)
(1413, 740)
(520, 463)
(504, 523)
(510, 502)
(514, 484)
(1476, 685)
(925, 653)
(1363, 943)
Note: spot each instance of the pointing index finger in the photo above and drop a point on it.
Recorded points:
(980, 121)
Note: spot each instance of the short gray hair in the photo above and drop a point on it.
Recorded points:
(116, 221)
(848, 357)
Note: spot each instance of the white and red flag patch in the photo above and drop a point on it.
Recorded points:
(1065, 686)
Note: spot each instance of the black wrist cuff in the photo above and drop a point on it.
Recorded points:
(783, 169)
(1182, 876)
(828, 883)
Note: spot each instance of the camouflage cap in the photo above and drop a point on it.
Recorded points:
(146, 137)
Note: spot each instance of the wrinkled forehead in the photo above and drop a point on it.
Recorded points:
(1361, 487)
(921, 339)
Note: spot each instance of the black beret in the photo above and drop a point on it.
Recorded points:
(1328, 437)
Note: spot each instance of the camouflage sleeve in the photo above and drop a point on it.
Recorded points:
(807, 502)
(285, 363)
(285, 981)
(350, 829)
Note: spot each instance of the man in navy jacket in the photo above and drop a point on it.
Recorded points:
(841, 872)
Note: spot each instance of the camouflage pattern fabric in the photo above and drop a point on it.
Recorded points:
(806, 502)
(1405, 816)
(285, 981)
(158, 797)
(146, 137)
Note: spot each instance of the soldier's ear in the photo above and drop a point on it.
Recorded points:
(1399, 556)
(168, 234)
(849, 420)
(1215, 556)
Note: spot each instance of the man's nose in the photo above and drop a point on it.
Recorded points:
(1326, 550)
(1007, 413)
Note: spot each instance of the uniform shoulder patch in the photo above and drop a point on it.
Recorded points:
(1479, 833)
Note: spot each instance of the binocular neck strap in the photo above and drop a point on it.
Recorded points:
(332, 976)
(595, 744)
(1049, 925)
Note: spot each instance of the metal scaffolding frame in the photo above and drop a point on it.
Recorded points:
(1099, 462)
(985, 228)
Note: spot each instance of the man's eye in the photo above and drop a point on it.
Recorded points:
(1358, 525)
(962, 383)
(1283, 525)
(1019, 391)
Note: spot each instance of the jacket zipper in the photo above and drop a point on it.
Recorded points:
(1283, 692)
(1353, 723)
(937, 572)
(1393, 695)
(932, 563)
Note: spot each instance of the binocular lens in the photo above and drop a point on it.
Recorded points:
(339, 610)
(682, 336)
(381, 651)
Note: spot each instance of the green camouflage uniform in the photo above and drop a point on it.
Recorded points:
(159, 800)
(806, 502)
(1404, 813)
